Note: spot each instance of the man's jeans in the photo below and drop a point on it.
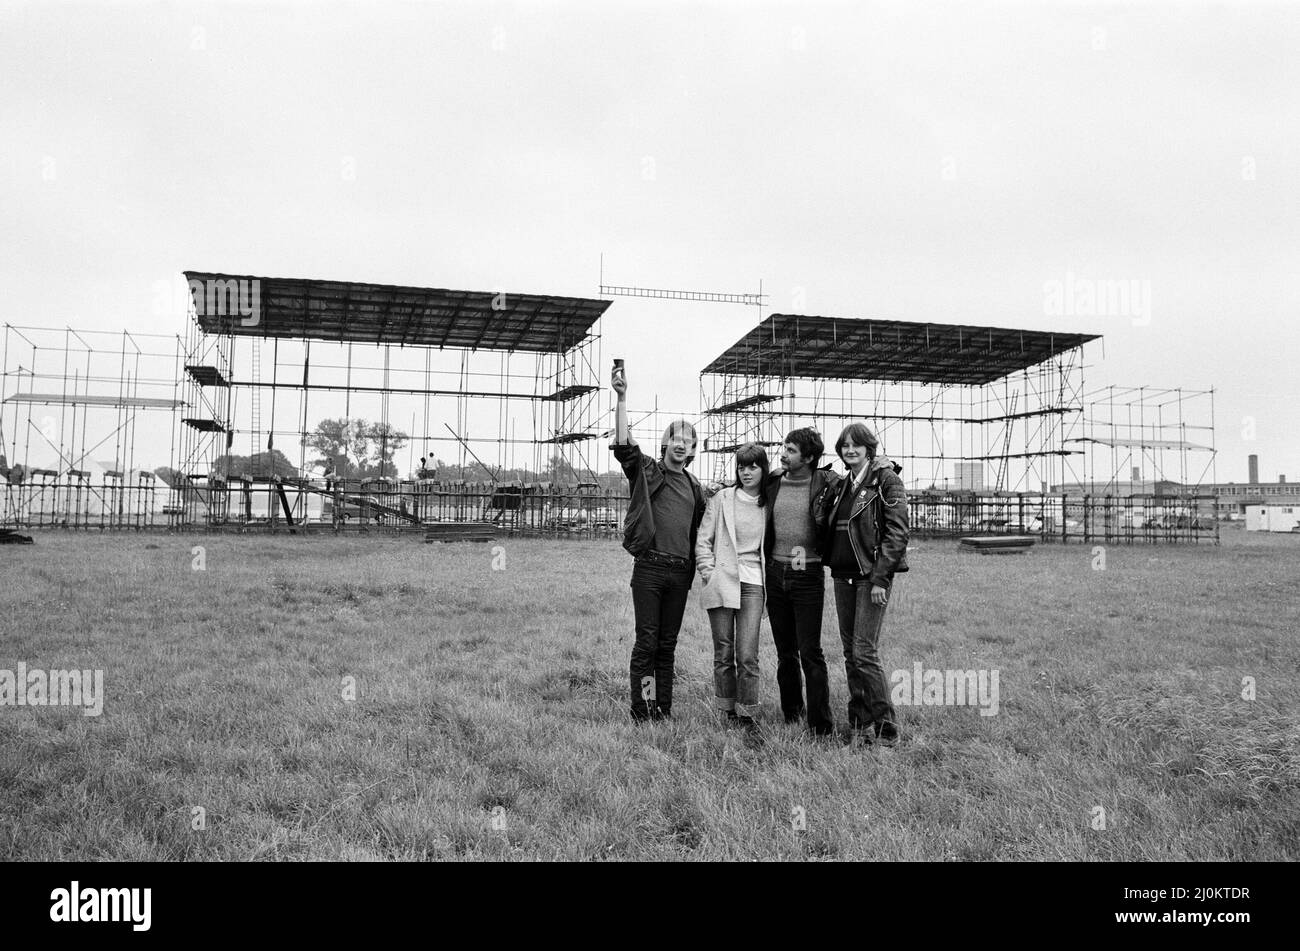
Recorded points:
(659, 590)
(735, 652)
(860, 626)
(794, 609)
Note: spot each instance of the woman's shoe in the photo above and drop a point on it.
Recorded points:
(886, 733)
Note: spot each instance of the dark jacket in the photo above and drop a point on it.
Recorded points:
(878, 522)
(821, 506)
(645, 478)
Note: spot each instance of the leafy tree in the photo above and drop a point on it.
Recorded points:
(384, 441)
(358, 449)
(341, 442)
(260, 465)
(559, 470)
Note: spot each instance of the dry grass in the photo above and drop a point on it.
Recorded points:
(482, 692)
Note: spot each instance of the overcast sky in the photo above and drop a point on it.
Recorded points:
(918, 161)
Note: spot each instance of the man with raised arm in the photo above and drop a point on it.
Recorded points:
(664, 511)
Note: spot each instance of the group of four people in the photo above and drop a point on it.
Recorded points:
(763, 544)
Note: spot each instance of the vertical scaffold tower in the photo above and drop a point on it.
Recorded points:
(1146, 440)
(77, 445)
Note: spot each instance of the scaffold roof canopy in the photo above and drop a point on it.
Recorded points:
(842, 348)
(83, 399)
(1142, 443)
(383, 313)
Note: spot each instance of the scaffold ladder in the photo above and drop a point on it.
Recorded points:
(1006, 442)
(255, 397)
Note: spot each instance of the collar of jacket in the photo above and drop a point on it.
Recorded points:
(655, 469)
(817, 479)
(867, 485)
(728, 503)
(729, 514)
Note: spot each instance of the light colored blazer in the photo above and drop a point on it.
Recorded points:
(715, 552)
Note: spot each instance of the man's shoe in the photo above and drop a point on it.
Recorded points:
(822, 732)
(886, 733)
(860, 734)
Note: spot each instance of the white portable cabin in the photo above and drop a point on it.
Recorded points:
(1272, 518)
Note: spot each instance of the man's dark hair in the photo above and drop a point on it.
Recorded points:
(753, 454)
(859, 435)
(809, 443)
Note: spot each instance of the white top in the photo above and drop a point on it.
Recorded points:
(750, 525)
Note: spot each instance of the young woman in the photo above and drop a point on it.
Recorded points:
(868, 542)
(730, 557)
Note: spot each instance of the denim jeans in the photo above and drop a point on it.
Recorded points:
(659, 600)
(735, 652)
(860, 626)
(795, 600)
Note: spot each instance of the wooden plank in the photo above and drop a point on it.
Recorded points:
(998, 544)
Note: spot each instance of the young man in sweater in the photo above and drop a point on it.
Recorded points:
(799, 499)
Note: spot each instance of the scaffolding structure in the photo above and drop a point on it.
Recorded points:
(992, 426)
(500, 391)
(959, 407)
(1140, 440)
(73, 405)
(503, 385)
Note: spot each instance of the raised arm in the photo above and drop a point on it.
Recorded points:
(618, 382)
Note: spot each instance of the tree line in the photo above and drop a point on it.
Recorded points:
(361, 449)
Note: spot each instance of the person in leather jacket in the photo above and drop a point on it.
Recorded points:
(867, 546)
(665, 507)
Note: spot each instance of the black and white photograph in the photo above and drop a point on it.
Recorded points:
(575, 432)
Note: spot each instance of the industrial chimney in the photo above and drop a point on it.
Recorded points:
(1281, 478)
(1137, 474)
(1252, 462)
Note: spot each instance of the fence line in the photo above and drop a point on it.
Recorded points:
(560, 511)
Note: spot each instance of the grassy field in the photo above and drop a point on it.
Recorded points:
(490, 713)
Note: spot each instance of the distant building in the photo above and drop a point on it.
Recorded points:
(1240, 497)
(1157, 488)
(968, 476)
